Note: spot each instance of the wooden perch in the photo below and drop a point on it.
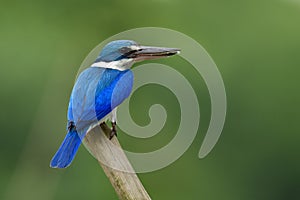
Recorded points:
(115, 164)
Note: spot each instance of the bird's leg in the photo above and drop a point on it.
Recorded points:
(71, 126)
(113, 123)
(113, 130)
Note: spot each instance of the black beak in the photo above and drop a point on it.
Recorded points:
(148, 53)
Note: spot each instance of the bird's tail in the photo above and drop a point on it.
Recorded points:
(67, 150)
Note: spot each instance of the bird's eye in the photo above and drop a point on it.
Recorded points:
(125, 50)
(128, 52)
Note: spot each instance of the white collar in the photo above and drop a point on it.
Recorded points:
(121, 65)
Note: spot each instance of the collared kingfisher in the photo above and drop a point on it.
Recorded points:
(98, 91)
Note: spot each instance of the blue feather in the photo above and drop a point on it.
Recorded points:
(96, 93)
(108, 54)
(108, 96)
(67, 150)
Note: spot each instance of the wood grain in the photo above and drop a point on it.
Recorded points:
(115, 164)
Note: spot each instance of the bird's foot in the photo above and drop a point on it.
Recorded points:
(71, 126)
(113, 130)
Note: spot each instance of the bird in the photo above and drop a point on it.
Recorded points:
(99, 90)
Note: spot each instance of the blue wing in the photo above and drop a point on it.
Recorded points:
(96, 93)
(109, 96)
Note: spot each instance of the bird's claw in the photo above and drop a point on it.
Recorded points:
(113, 130)
(71, 126)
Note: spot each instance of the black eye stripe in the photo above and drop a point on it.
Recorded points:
(125, 50)
(128, 52)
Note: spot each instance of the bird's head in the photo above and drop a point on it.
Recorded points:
(122, 54)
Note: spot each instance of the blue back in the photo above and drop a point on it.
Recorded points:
(96, 93)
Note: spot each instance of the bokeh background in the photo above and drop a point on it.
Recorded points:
(256, 46)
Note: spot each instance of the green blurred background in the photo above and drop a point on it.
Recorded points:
(255, 44)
